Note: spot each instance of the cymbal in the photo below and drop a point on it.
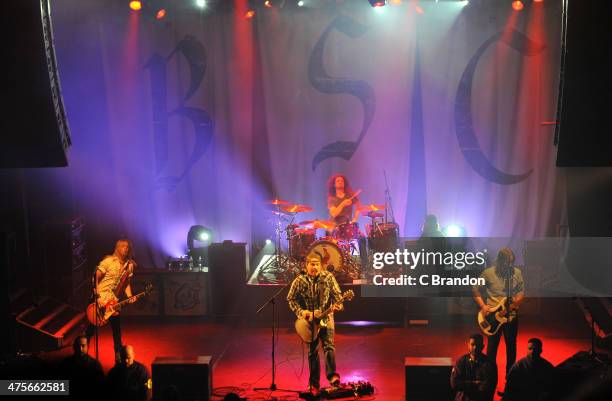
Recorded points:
(297, 208)
(371, 207)
(325, 224)
(278, 202)
(374, 215)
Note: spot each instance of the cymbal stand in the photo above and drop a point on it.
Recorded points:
(277, 262)
(388, 200)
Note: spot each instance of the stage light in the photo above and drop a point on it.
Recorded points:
(396, 2)
(538, 1)
(377, 3)
(161, 13)
(136, 5)
(268, 3)
(201, 3)
(249, 14)
(454, 230)
(517, 5)
(268, 241)
(419, 10)
(300, 3)
(200, 234)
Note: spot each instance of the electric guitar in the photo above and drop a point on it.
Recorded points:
(492, 322)
(111, 308)
(304, 328)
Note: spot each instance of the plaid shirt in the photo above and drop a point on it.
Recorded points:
(310, 294)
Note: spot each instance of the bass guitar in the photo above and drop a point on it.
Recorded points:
(98, 315)
(304, 328)
(493, 321)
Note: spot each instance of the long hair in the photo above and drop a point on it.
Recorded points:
(130, 249)
(504, 262)
(331, 187)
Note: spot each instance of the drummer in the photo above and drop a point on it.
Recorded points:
(343, 206)
(339, 203)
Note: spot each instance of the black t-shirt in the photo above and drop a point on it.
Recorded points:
(128, 383)
(85, 375)
(529, 379)
(346, 215)
(466, 371)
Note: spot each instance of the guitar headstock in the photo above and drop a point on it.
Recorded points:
(348, 295)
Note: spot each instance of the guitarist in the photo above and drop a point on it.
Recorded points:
(503, 280)
(310, 293)
(113, 277)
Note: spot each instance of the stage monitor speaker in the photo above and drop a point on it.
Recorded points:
(428, 379)
(585, 84)
(34, 128)
(186, 379)
(228, 270)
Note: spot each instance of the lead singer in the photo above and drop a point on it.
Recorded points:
(311, 292)
(113, 277)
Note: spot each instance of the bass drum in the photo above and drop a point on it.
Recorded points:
(332, 258)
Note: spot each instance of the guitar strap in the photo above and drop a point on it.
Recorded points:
(122, 281)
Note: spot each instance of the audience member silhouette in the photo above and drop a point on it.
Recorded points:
(84, 372)
(530, 378)
(129, 379)
(474, 376)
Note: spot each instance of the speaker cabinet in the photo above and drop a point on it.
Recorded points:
(584, 104)
(228, 270)
(34, 127)
(186, 379)
(428, 379)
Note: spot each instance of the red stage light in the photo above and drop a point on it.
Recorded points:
(378, 4)
(538, 1)
(419, 10)
(161, 13)
(135, 5)
(517, 5)
(249, 14)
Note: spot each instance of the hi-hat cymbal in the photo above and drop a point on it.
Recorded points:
(278, 202)
(371, 207)
(297, 208)
(374, 215)
(280, 213)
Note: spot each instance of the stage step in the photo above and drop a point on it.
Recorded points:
(49, 325)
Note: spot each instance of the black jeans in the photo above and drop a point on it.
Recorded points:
(326, 337)
(115, 322)
(510, 331)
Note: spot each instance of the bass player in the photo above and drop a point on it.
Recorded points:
(503, 284)
(310, 293)
(113, 277)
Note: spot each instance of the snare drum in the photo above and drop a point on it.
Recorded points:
(346, 231)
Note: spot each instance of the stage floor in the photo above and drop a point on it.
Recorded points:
(241, 353)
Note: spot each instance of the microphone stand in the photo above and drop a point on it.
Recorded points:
(272, 301)
(94, 292)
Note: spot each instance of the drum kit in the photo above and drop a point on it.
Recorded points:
(337, 244)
